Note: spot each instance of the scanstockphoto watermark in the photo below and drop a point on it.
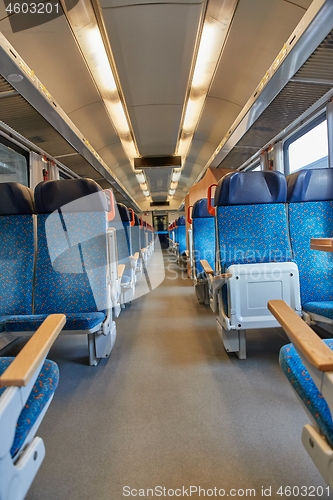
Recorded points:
(189, 491)
(82, 242)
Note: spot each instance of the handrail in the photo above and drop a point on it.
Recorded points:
(132, 217)
(210, 208)
(189, 219)
(112, 210)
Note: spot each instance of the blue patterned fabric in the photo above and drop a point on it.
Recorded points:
(74, 321)
(135, 234)
(16, 264)
(204, 242)
(251, 188)
(123, 242)
(181, 235)
(323, 308)
(299, 377)
(45, 385)
(312, 220)
(71, 265)
(249, 234)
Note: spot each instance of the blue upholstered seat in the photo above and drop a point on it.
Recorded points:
(122, 224)
(204, 240)
(42, 391)
(253, 248)
(300, 379)
(251, 218)
(124, 242)
(16, 249)
(181, 234)
(310, 204)
(74, 321)
(71, 263)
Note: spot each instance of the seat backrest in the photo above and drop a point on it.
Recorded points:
(135, 235)
(251, 218)
(310, 211)
(71, 268)
(16, 248)
(122, 223)
(204, 241)
(181, 234)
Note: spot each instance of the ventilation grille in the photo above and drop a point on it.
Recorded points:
(312, 81)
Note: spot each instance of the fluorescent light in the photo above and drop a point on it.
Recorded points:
(140, 177)
(215, 29)
(172, 191)
(173, 185)
(146, 193)
(84, 24)
(192, 113)
(144, 186)
(175, 176)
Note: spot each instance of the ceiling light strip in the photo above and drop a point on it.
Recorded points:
(98, 56)
(218, 18)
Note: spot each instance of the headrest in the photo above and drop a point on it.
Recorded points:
(251, 188)
(200, 210)
(136, 220)
(310, 185)
(52, 195)
(124, 214)
(16, 199)
(181, 221)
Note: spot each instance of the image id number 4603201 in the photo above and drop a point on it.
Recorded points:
(33, 8)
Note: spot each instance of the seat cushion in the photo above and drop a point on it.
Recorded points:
(299, 377)
(74, 321)
(323, 308)
(45, 385)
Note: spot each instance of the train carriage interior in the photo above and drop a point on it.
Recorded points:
(166, 249)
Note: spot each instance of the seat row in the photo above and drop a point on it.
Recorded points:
(65, 248)
(253, 245)
(177, 240)
(258, 225)
(68, 248)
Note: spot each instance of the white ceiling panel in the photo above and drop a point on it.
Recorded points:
(153, 48)
(95, 113)
(156, 128)
(258, 32)
(252, 46)
(153, 43)
(217, 116)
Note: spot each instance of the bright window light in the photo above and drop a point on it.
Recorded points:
(310, 150)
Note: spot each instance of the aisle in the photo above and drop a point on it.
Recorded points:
(171, 409)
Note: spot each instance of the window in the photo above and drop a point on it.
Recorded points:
(13, 166)
(308, 148)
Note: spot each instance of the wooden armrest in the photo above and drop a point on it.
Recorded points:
(325, 244)
(187, 253)
(302, 336)
(206, 267)
(136, 256)
(225, 276)
(24, 365)
(121, 269)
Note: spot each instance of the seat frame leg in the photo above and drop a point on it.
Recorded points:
(233, 340)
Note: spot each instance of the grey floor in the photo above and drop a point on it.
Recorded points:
(171, 409)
